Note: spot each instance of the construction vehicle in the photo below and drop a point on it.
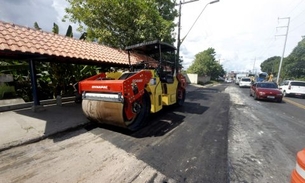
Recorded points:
(125, 99)
(262, 76)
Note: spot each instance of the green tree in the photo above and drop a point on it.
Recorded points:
(206, 64)
(55, 28)
(69, 32)
(119, 23)
(294, 65)
(83, 36)
(271, 65)
(36, 26)
(20, 72)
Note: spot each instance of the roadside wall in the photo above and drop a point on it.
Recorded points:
(4, 78)
(195, 79)
(191, 78)
(204, 79)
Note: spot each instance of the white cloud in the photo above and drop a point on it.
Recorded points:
(240, 31)
(26, 13)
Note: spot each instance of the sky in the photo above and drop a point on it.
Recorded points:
(244, 33)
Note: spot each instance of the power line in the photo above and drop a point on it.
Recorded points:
(268, 47)
(271, 41)
(297, 15)
(295, 28)
(296, 6)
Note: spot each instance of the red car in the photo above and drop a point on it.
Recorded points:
(266, 91)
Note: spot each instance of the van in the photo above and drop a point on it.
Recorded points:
(293, 88)
(238, 78)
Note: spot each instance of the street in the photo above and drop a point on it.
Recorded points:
(220, 135)
(264, 138)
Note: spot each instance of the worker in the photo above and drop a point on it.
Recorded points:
(252, 79)
(270, 77)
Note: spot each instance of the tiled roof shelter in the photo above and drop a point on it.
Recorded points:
(18, 42)
(23, 43)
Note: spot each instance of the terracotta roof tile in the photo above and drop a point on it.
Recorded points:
(2, 40)
(23, 49)
(14, 47)
(4, 46)
(15, 38)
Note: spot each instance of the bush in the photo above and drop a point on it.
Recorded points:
(7, 91)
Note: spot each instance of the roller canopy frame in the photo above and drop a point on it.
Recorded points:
(151, 47)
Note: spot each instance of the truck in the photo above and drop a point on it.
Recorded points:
(238, 77)
(262, 76)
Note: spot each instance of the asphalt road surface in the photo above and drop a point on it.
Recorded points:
(187, 144)
(220, 135)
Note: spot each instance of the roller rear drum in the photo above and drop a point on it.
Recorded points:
(114, 113)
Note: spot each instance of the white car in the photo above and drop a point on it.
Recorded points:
(293, 88)
(245, 82)
(228, 80)
(238, 78)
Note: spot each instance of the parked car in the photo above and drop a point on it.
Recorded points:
(266, 91)
(228, 80)
(245, 82)
(293, 88)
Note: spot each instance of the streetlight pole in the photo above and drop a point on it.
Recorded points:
(179, 42)
(179, 25)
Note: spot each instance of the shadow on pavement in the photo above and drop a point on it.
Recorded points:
(164, 121)
(156, 125)
(160, 123)
(29, 126)
(52, 119)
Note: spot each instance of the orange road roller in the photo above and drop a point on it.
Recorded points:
(125, 99)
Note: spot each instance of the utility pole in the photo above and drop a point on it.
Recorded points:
(179, 25)
(254, 65)
(286, 35)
